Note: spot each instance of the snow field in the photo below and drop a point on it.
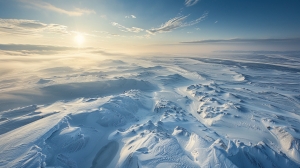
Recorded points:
(175, 112)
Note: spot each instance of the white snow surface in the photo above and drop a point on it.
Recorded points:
(230, 110)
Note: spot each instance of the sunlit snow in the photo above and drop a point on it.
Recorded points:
(223, 110)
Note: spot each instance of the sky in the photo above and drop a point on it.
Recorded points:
(157, 26)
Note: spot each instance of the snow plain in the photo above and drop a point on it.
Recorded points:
(221, 110)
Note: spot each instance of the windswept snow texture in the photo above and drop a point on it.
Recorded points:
(221, 111)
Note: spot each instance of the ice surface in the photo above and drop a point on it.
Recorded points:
(217, 111)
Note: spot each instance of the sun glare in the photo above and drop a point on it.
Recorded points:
(79, 39)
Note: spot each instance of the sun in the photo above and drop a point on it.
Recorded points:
(79, 39)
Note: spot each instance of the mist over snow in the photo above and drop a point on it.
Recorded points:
(65, 108)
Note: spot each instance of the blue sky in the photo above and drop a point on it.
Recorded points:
(143, 24)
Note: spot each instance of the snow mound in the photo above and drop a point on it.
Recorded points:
(239, 77)
(117, 112)
(289, 142)
(152, 146)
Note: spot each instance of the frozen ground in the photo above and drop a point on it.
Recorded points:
(223, 110)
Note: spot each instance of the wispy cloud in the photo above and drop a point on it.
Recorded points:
(241, 40)
(131, 16)
(29, 27)
(127, 29)
(175, 23)
(169, 25)
(106, 34)
(145, 36)
(191, 2)
(45, 5)
(103, 16)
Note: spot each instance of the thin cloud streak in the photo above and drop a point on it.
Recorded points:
(32, 47)
(240, 40)
(29, 27)
(189, 3)
(131, 16)
(176, 23)
(127, 29)
(48, 6)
